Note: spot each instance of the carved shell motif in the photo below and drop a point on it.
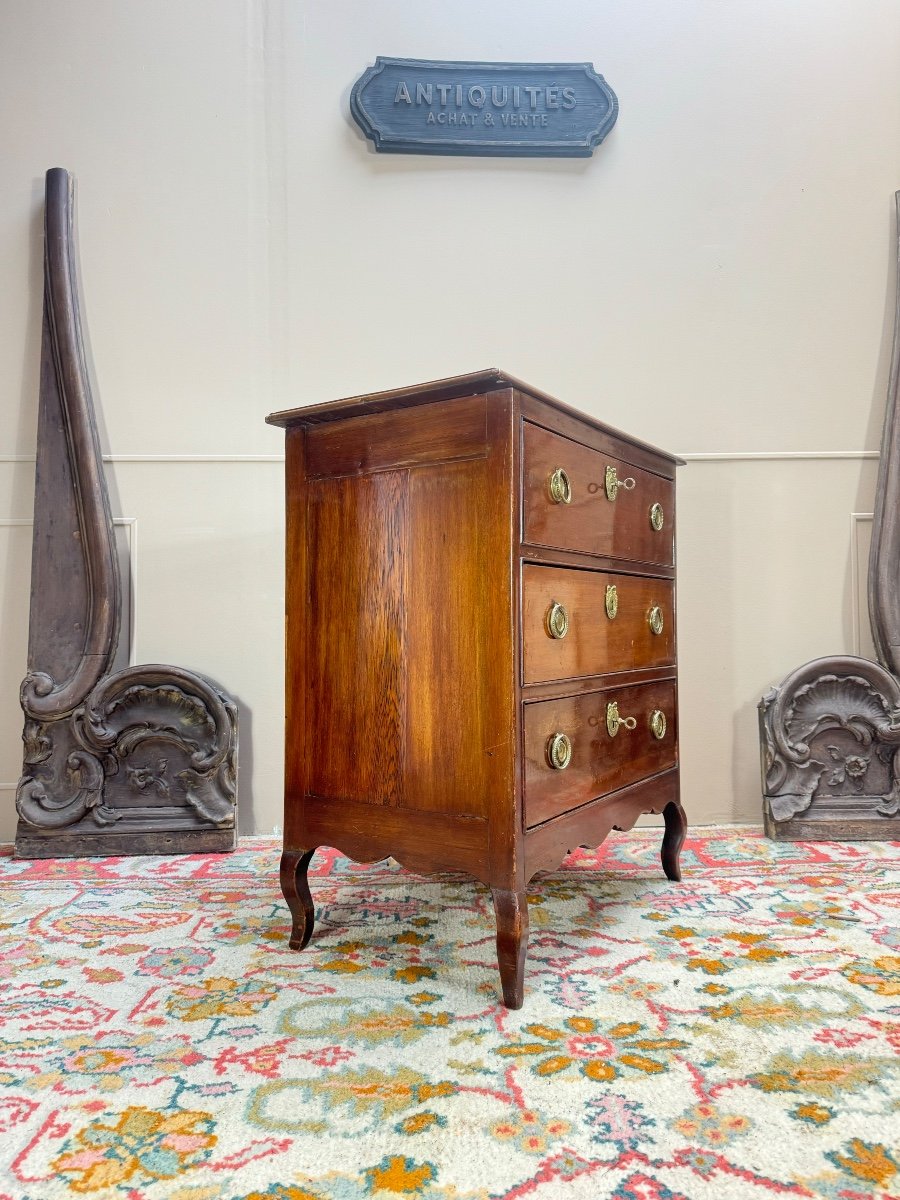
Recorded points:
(830, 702)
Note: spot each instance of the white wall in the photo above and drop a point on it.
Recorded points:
(717, 280)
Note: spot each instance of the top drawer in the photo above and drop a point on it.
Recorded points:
(573, 502)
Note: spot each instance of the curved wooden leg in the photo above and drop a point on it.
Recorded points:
(295, 886)
(673, 839)
(512, 943)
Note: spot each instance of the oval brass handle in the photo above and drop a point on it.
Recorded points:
(613, 483)
(612, 601)
(614, 722)
(657, 517)
(658, 723)
(557, 621)
(560, 487)
(655, 619)
(559, 751)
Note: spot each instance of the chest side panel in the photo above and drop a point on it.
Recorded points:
(355, 636)
(408, 652)
(458, 644)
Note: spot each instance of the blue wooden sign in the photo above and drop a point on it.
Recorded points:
(416, 106)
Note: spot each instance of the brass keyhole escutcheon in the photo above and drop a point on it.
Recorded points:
(615, 722)
(658, 724)
(557, 621)
(559, 751)
(613, 483)
(612, 601)
(560, 487)
(657, 517)
(655, 619)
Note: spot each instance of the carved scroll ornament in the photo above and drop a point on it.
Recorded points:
(820, 699)
(143, 760)
(148, 707)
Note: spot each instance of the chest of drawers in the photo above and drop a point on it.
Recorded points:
(481, 669)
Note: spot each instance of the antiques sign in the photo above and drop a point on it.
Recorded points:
(416, 106)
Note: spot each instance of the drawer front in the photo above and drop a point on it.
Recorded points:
(598, 761)
(567, 505)
(577, 623)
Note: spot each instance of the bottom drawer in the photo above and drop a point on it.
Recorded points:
(582, 747)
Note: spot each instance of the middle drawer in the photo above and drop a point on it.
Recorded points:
(577, 623)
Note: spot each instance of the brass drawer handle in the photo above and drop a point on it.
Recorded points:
(559, 751)
(560, 487)
(614, 722)
(612, 601)
(614, 483)
(655, 619)
(657, 517)
(658, 724)
(557, 621)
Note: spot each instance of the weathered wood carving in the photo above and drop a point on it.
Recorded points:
(830, 733)
(140, 761)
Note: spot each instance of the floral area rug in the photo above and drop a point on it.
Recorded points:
(734, 1036)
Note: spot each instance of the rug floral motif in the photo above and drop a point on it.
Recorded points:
(733, 1036)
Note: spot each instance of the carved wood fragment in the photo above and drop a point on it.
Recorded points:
(830, 733)
(140, 761)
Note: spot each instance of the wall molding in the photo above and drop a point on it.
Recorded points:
(164, 458)
(131, 524)
(776, 455)
(688, 456)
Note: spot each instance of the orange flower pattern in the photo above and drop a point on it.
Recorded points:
(141, 1146)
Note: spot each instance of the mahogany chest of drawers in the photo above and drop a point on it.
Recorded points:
(480, 639)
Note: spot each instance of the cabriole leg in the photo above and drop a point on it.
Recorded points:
(295, 886)
(512, 943)
(673, 839)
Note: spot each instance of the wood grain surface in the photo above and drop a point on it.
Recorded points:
(356, 636)
(407, 438)
(457, 602)
(591, 523)
(595, 643)
(600, 763)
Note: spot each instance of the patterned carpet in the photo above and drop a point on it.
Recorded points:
(734, 1036)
